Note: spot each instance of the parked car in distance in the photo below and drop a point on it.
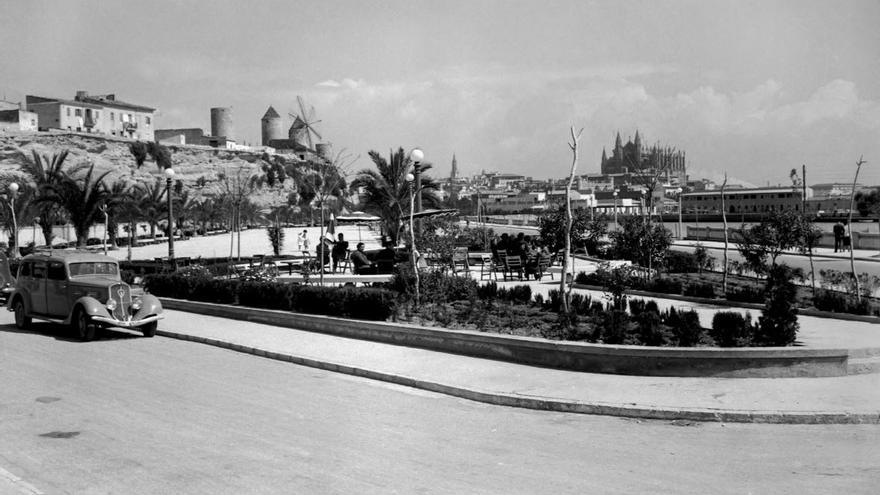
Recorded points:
(80, 289)
(7, 280)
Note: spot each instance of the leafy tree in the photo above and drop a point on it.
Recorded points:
(81, 195)
(161, 154)
(762, 244)
(868, 203)
(641, 242)
(139, 150)
(584, 231)
(386, 191)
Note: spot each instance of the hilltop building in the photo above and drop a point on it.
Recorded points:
(13, 117)
(101, 114)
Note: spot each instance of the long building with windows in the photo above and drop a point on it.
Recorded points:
(102, 114)
(743, 201)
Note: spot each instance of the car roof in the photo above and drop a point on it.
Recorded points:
(69, 256)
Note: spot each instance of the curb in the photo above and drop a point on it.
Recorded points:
(550, 404)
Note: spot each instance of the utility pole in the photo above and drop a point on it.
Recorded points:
(852, 199)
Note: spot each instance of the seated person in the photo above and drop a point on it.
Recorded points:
(360, 264)
(322, 253)
(340, 250)
(385, 259)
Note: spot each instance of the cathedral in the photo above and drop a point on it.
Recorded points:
(634, 158)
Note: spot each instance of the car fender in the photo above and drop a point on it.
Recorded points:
(150, 305)
(92, 307)
(23, 295)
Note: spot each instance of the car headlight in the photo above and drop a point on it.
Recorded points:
(136, 304)
(111, 304)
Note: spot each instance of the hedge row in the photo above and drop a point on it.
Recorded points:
(364, 303)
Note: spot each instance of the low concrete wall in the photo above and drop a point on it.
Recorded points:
(860, 240)
(576, 356)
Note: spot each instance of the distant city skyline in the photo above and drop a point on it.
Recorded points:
(751, 88)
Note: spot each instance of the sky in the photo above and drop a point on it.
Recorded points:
(748, 88)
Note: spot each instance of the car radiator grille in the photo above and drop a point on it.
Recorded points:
(121, 293)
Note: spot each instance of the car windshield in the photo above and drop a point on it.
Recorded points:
(93, 268)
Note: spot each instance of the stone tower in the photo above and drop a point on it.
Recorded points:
(271, 127)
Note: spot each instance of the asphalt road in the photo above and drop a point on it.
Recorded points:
(126, 414)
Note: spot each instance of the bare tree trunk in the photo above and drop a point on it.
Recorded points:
(852, 261)
(565, 292)
(726, 240)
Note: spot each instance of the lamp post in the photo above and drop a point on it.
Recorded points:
(411, 178)
(417, 155)
(169, 174)
(615, 208)
(13, 192)
(680, 225)
(106, 226)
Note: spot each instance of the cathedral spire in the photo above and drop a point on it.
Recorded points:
(454, 173)
(617, 143)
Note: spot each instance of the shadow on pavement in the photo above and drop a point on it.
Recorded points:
(66, 334)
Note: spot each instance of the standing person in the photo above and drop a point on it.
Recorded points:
(847, 240)
(340, 251)
(305, 240)
(839, 232)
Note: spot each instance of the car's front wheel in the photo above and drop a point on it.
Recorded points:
(22, 320)
(149, 330)
(83, 326)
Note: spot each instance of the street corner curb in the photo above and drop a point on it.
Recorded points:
(631, 410)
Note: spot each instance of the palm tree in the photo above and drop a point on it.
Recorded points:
(152, 204)
(82, 197)
(386, 190)
(46, 171)
(121, 206)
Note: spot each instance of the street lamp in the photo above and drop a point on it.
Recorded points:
(417, 155)
(615, 208)
(169, 174)
(13, 192)
(680, 226)
(411, 178)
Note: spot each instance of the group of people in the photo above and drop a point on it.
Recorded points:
(529, 249)
(335, 252)
(842, 241)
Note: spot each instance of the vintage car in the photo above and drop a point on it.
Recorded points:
(80, 289)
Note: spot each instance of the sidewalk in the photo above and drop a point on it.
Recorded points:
(849, 399)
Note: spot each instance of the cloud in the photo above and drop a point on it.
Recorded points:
(501, 118)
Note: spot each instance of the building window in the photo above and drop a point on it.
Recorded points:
(68, 111)
(112, 117)
(78, 112)
(148, 120)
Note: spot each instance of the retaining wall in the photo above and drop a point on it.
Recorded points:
(576, 356)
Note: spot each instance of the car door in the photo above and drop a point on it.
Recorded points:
(56, 290)
(38, 284)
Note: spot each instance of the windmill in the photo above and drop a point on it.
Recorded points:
(303, 125)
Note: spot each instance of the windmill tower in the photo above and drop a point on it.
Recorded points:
(302, 128)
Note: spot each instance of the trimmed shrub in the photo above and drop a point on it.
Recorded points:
(680, 262)
(665, 285)
(700, 289)
(745, 294)
(685, 327)
(778, 324)
(732, 329)
(838, 302)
